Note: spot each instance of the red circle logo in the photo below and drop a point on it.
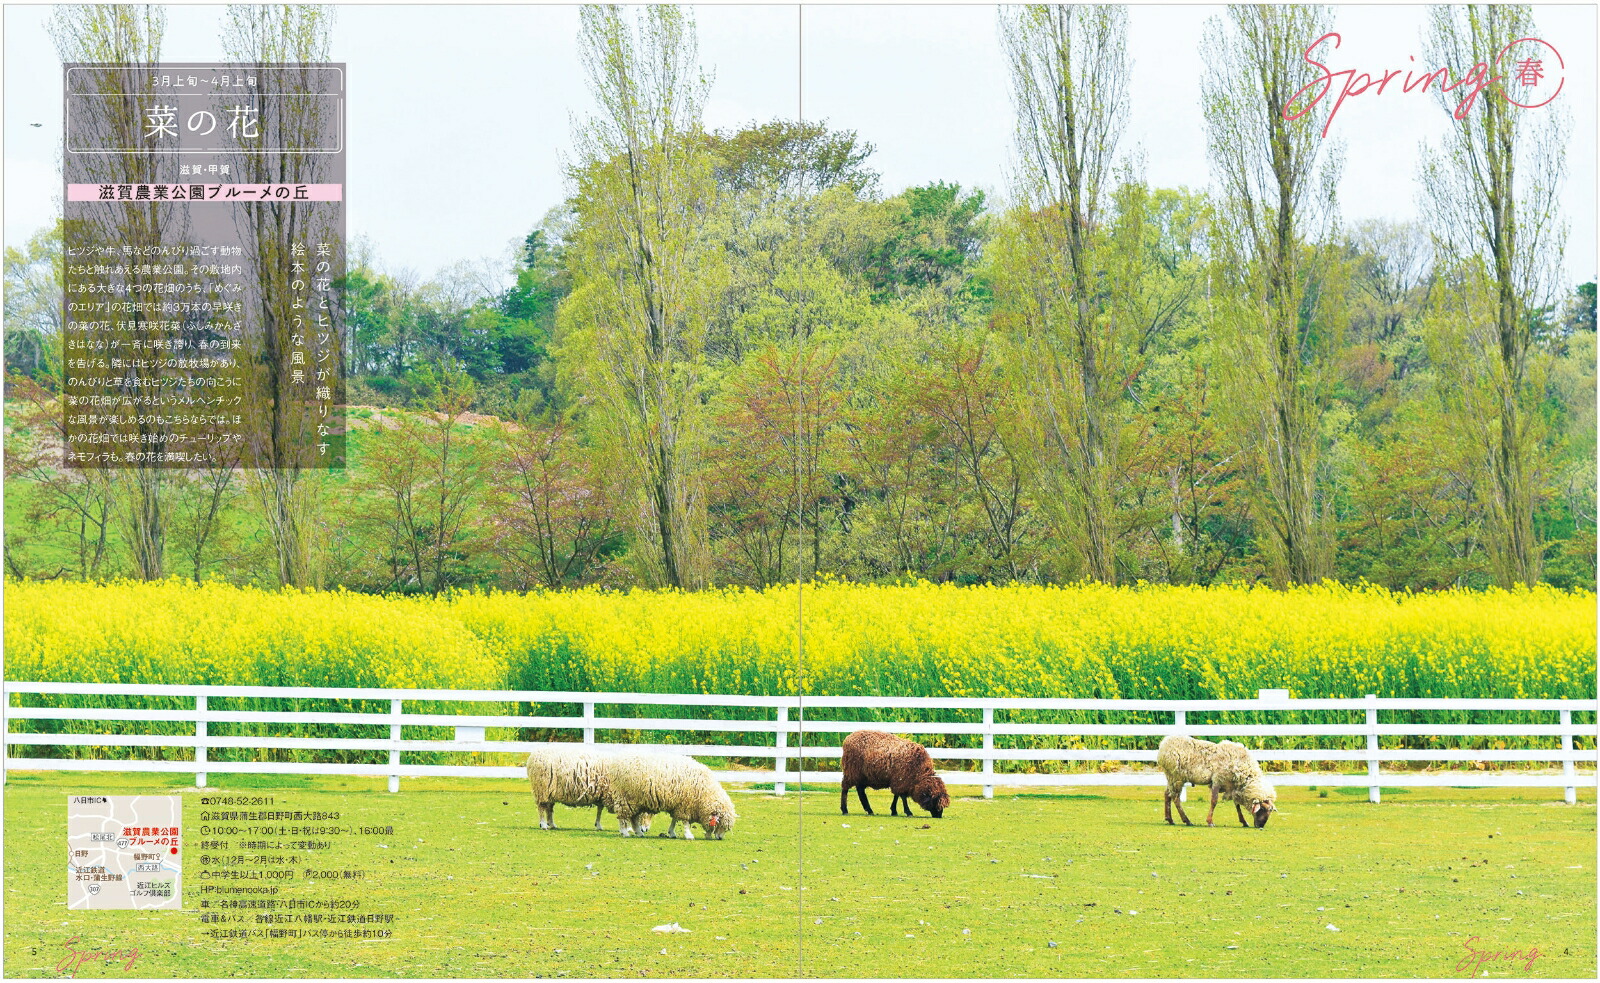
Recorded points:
(1528, 71)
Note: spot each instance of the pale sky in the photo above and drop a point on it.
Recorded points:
(454, 99)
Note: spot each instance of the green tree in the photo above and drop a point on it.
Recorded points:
(1186, 517)
(1276, 180)
(457, 320)
(368, 301)
(962, 389)
(781, 410)
(902, 489)
(550, 516)
(420, 485)
(1207, 498)
(1570, 403)
(34, 301)
(1066, 265)
(122, 38)
(284, 481)
(780, 332)
(79, 504)
(1492, 195)
(1580, 309)
(644, 279)
(935, 235)
(792, 158)
(1414, 521)
(530, 306)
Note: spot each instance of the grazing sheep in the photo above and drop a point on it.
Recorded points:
(1226, 767)
(645, 784)
(873, 759)
(572, 776)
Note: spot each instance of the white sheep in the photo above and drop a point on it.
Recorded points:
(572, 776)
(1227, 767)
(644, 784)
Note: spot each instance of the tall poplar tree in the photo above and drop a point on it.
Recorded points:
(1491, 194)
(644, 279)
(129, 36)
(1276, 180)
(287, 40)
(1062, 269)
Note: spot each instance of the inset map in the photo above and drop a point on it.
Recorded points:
(123, 851)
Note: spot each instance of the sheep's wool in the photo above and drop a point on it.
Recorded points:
(572, 776)
(645, 784)
(1226, 767)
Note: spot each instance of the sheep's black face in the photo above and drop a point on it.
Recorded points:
(1263, 812)
(933, 797)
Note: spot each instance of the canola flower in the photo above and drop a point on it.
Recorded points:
(1091, 641)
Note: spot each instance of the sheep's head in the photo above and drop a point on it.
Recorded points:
(1262, 810)
(931, 795)
(719, 822)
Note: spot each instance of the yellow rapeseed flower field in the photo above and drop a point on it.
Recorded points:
(905, 640)
(913, 640)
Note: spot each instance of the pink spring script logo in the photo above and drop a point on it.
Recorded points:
(1528, 73)
(1472, 963)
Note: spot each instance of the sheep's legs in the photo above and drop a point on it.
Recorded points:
(1173, 800)
(688, 834)
(1213, 806)
(547, 815)
(844, 798)
(1241, 815)
(894, 805)
(633, 824)
(598, 812)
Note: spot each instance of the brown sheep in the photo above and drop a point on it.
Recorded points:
(873, 759)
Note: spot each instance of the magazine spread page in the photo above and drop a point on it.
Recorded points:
(799, 491)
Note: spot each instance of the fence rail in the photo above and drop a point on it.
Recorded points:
(790, 730)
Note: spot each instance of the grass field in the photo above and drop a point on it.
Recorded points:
(1412, 886)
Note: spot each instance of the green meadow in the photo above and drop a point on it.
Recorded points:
(1026, 885)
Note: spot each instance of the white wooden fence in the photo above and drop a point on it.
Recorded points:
(813, 734)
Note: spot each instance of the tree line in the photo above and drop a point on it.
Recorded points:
(730, 357)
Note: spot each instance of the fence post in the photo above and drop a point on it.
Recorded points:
(1372, 748)
(1180, 720)
(1566, 766)
(782, 760)
(988, 752)
(199, 742)
(394, 746)
(588, 723)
